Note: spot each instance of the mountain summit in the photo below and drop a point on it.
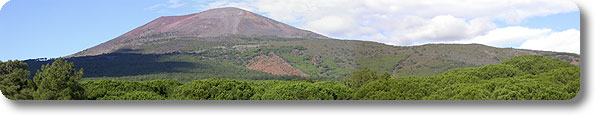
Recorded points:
(210, 23)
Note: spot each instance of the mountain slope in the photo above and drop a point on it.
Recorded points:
(285, 59)
(210, 23)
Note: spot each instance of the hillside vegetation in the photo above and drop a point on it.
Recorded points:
(229, 56)
(528, 77)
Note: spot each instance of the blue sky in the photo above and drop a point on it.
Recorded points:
(556, 22)
(54, 28)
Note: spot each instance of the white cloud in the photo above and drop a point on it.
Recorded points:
(2, 2)
(154, 7)
(512, 11)
(565, 41)
(507, 36)
(174, 4)
(168, 5)
(406, 20)
(332, 24)
(411, 22)
(528, 38)
(444, 28)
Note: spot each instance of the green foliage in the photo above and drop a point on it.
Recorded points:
(534, 64)
(339, 91)
(412, 88)
(359, 78)
(503, 89)
(214, 89)
(517, 79)
(109, 89)
(427, 67)
(58, 81)
(106, 88)
(306, 91)
(163, 87)
(568, 77)
(445, 80)
(460, 92)
(384, 63)
(507, 81)
(13, 81)
(134, 95)
(9, 66)
(323, 67)
(489, 71)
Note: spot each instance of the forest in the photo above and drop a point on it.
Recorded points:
(527, 77)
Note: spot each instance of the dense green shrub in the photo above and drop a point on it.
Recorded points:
(520, 78)
(163, 87)
(534, 64)
(214, 89)
(58, 81)
(460, 92)
(104, 88)
(306, 91)
(359, 78)
(488, 72)
(135, 95)
(412, 88)
(13, 81)
(109, 89)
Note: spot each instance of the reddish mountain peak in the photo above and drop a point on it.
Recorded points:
(215, 22)
(209, 23)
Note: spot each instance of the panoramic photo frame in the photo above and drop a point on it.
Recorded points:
(290, 50)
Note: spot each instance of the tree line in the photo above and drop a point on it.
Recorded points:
(526, 77)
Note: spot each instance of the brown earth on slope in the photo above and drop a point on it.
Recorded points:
(273, 64)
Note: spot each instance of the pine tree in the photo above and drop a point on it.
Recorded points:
(13, 80)
(58, 81)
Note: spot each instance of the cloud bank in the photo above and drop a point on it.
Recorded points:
(413, 22)
(2, 2)
(565, 41)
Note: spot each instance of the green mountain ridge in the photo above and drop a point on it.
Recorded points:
(191, 58)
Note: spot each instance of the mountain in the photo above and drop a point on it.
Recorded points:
(238, 44)
(210, 23)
